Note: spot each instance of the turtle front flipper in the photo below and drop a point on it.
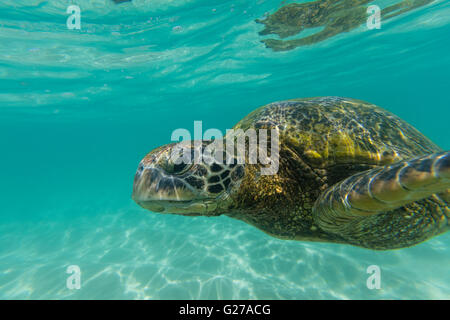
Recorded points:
(389, 207)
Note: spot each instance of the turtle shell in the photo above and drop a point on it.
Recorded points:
(329, 131)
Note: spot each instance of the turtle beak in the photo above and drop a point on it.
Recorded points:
(155, 191)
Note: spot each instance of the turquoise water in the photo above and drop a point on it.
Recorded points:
(80, 108)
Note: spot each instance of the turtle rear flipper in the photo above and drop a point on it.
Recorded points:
(367, 202)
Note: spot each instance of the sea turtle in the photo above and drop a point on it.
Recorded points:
(348, 172)
(331, 17)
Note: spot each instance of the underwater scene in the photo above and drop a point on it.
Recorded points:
(94, 95)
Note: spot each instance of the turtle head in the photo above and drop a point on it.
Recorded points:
(174, 179)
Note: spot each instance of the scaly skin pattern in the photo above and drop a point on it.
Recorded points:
(322, 142)
(334, 16)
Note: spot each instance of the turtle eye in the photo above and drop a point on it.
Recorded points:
(175, 162)
(181, 168)
(173, 168)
